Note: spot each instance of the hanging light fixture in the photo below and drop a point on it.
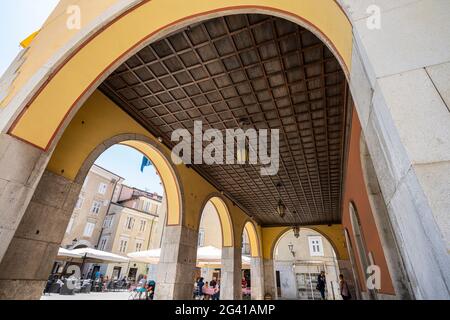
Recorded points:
(296, 230)
(281, 208)
(243, 151)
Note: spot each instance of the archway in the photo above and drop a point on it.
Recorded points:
(59, 124)
(252, 250)
(46, 219)
(129, 33)
(299, 256)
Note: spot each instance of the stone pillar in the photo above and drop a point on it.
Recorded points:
(231, 274)
(403, 106)
(21, 166)
(399, 276)
(270, 286)
(176, 268)
(33, 249)
(345, 268)
(257, 278)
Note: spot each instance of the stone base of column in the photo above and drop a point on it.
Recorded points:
(176, 268)
(230, 283)
(269, 278)
(257, 278)
(21, 166)
(34, 247)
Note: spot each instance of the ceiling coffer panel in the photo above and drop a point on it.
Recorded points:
(268, 71)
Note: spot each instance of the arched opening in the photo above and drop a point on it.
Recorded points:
(252, 265)
(215, 236)
(49, 217)
(257, 81)
(300, 255)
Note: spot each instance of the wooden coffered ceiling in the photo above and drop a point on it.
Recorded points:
(269, 71)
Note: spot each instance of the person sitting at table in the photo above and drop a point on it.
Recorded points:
(244, 282)
(205, 291)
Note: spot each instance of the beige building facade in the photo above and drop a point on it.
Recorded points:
(299, 261)
(86, 222)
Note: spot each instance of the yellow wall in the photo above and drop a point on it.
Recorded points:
(99, 120)
(46, 112)
(334, 234)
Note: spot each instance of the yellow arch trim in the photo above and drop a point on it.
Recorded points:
(171, 188)
(253, 238)
(45, 113)
(225, 221)
(96, 122)
(334, 234)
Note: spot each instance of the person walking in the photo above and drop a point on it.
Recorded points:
(321, 283)
(216, 295)
(200, 284)
(343, 287)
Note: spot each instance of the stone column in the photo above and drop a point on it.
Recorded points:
(257, 278)
(29, 258)
(230, 283)
(270, 286)
(403, 106)
(21, 166)
(399, 276)
(176, 268)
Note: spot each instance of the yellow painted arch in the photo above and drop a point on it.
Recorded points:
(253, 238)
(99, 121)
(225, 220)
(334, 234)
(46, 111)
(170, 184)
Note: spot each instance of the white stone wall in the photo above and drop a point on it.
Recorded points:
(399, 82)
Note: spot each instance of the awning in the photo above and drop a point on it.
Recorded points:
(206, 256)
(92, 254)
(68, 253)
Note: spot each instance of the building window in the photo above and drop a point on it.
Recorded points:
(79, 202)
(102, 188)
(70, 225)
(154, 208)
(103, 243)
(315, 246)
(123, 246)
(146, 206)
(201, 237)
(129, 223)
(96, 205)
(143, 225)
(89, 229)
(108, 222)
(138, 246)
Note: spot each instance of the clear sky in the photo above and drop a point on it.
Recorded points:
(126, 162)
(19, 19)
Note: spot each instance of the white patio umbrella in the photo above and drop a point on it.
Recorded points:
(100, 255)
(208, 255)
(148, 256)
(68, 253)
